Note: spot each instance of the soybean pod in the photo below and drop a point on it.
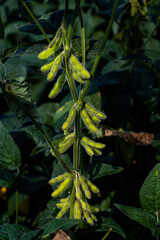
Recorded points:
(54, 70)
(62, 187)
(93, 143)
(88, 149)
(79, 67)
(58, 179)
(94, 111)
(85, 187)
(88, 122)
(77, 210)
(71, 116)
(92, 187)
(58, 86)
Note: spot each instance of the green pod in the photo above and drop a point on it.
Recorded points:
(85, 187)
(58, 86)
(84, 205)
(94, 111)
(88, 122)
(57, 39)
(47, 67)
(58, 179)
(64, 200)
(88, 218)
(77, 212)
(59, 205)
(77, 78)
(92, 187)
(65, 139)
(71, 116)
(96, 151)
(93, 209)
(67, 144)
(88, 149)
(93, 217)
(95, 119)
(78, 193)
(93, 143)
(78, 66)
(62, 187)
(46, 53)
(62, 212)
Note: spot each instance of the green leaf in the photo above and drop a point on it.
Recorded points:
(108, 223)
(6, 178)
(47, 111)
(56, 224)
(101, 170)
(14, 232)
(150, 191)
(147, 55)
(10, 157)
(139, 215)
(18, 99)
(2, 72)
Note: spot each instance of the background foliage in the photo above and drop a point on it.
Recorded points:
(126, 87)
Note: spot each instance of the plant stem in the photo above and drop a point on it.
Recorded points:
(16, 221)
(99, 52)
(71, 26)
(36, 21)
(77, 131)
(83, 43)
(70, 81)
(64, 23)
(107, 234)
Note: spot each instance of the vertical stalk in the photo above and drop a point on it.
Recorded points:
(107, 234)
(35, 20)
(106, 35)
(17, 202)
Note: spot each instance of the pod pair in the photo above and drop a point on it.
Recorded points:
(91, 146)
(64, 205)
(65, 180)
(64, 143)
(79, 73)
(53, 46)
(83, 187)
(91, 117)
(81, 211)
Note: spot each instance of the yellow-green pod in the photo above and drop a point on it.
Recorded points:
(93, 143)
(66, 138)
(62, 187)
(57, 36)
(64, 200)
(95, 119)
(67, 144)
(47, 67)
(77, 210)
(88, 149)
(71, 116)
(93, 217)
(84, 205)
(93, 209)
(76, 64)
(94, 111)
(92, 187)
(46, 53)
(77, 78)
(59, 205)
(88, 122)
(88, 218)
(96, 151)
(78, 193)
(58, 179)
(58, 86)
(85, 187)
(62, 212)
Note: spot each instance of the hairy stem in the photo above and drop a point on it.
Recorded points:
(36, 21)
(100, 51)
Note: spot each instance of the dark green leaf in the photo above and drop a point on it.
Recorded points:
(103, 169)
(107, 223)
(2, 73)
(10, 157)
(56, 224)
(147, 55)
(18, 99)
(150, 191)
(139, 215)
(6, 178)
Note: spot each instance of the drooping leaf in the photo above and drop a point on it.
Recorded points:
(18, 99)
(139, 215)
(10, 157)
(49, 22)
(150, 191)
(14, 232)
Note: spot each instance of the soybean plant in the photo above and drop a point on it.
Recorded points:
(73, 73)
